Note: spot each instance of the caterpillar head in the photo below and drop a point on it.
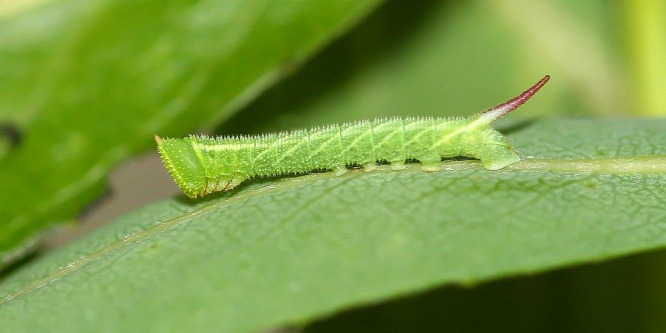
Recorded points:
(189, 169)
(183, 164)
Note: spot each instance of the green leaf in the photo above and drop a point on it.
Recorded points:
(88, 83)
(288, 251)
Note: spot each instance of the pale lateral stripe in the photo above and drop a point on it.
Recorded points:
(307, 139)
(325, 143)
(417, 136)
(452, 134)
(358, 138)
(197, 148)
(297, 144)
(391, 134)
(268, 144)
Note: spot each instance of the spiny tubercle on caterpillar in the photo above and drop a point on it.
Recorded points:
(201, 165)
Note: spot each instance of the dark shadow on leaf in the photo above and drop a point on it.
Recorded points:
(515, 126)
(17, 264)
(615, 296)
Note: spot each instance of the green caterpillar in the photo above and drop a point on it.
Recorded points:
(201, 165)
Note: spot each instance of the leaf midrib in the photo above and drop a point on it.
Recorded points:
(654, 164)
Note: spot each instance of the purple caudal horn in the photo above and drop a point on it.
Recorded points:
(501, 110)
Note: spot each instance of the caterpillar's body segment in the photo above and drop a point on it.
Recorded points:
(201, 165)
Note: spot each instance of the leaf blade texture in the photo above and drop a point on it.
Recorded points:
(291, 250)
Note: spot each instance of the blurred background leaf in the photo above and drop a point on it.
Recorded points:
(88, 83)
(454, 58)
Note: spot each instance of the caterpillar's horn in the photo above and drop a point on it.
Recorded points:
(499, 111)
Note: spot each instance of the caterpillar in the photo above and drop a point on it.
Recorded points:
(201, 165)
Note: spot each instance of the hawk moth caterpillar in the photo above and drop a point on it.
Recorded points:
(201, 165)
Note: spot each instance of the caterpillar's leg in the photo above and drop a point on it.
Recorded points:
(233, 183)
(495, 157)
(226, 185)
(210, 186)
(340, 170)
(398, 165)
(220, 184)
(372, 166)
(430, 162)
(430, 165)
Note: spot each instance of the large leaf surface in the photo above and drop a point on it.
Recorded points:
(88, 83)
(288, 251)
